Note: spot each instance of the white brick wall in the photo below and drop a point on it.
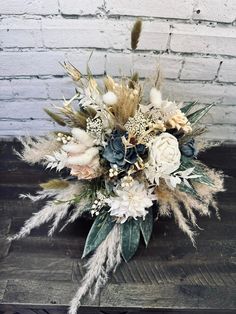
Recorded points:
(194, 41)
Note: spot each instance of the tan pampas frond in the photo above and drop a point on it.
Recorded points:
(127, 103)
(35, 149)
(105, 259)
(54, 210)
(174, 202)
(135, 33)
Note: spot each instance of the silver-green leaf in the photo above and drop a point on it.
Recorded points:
(102, 225)
(146, 226)
(130, 236)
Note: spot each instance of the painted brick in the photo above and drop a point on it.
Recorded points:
(221, 132)
(24, 109)
(203, 39)
(217, 10)
(199, 68)
(144, 64)
(95, 60)
(26, 127)
(80, 7)
(41, 7)
(31, 63)
(5, 90)
(17, 32)
(229, 95)
(228, 71)
(185, 92)
(45, 63)
(152, 8)
(220, 114)
(29, 88)
(99, 33)
(59, 87)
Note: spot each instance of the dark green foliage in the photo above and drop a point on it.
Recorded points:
(199, 169)
(199, 114)
(186, 109)
(130, 236)
(101, 227)
(146, 226)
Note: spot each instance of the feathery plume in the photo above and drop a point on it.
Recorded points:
(35, 149)
(105, 259)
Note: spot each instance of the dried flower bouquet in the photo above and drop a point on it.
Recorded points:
(130, 162)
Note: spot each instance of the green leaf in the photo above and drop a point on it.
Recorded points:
(199, 114)
(55, 117)
(146, 226)
(186, 189)
(130, 236)
(102, 225)
(188, 107)
(199, 169)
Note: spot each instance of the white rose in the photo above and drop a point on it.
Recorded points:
(164, 157)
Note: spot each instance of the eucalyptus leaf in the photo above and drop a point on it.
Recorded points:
(199, 114)
(130, 236)
(102, 225)
(199, 169)
(146, 226)
(189, 190)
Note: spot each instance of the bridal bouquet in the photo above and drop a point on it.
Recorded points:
(123, 161)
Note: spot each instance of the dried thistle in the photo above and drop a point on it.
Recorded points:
(72, 71)
(135, 33)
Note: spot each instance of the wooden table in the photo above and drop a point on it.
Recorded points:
(40, 274)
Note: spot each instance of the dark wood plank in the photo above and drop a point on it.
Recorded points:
(169, 297)
(36, 267)
(3, 284)
(5, 224)
(41, 292)
(4, 248)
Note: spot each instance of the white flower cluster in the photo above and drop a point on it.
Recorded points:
(130, 201)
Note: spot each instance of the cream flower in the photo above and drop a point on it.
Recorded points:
(130, 201)
(179, 121)
(164, 157)
(167, 111)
